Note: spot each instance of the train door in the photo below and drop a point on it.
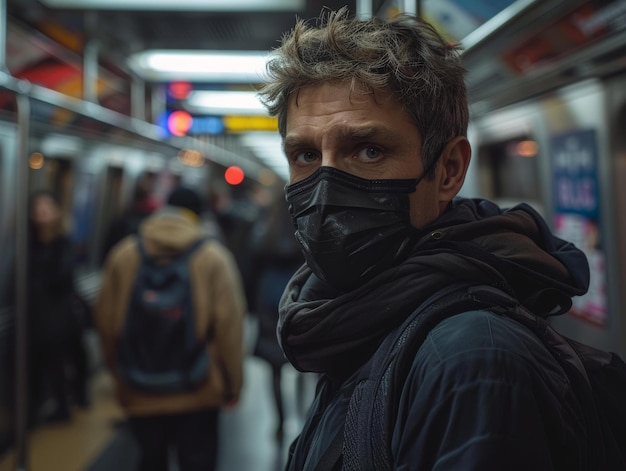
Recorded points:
(8, 153)
(508, 171)
(507, 159)
(570, 181)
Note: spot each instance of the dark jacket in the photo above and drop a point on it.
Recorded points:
(50, 286)
(482, 392)
(276, 256)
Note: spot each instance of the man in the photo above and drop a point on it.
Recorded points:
(373, 114)
(185, 420)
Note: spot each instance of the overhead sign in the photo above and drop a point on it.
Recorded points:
(181, 123)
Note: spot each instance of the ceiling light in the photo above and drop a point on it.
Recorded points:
(197, 5)
(224, 103)
(205, 66)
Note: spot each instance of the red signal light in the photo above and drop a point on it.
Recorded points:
(179, 90)
(234, 175)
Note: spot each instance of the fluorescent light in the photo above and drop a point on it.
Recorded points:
(196, 5)
(224, 103)
(205, 66)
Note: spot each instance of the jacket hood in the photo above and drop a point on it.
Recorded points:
(542, 270)
(169, 231)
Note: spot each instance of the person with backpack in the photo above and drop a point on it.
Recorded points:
(424, 312)
(170, 315)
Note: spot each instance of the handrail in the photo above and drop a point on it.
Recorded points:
(495, 24)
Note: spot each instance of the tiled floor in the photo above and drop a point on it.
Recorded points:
(91, 442)
(71, 446)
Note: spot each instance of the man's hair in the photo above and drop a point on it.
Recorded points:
(404, 54)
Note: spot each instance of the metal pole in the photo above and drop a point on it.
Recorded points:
(138, 98)
(90, 60)
(413, 7)
(157, 102)
(21, 283)
(3, 36)
(364, 8)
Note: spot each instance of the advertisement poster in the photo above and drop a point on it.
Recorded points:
(577, 213)
(85, 207)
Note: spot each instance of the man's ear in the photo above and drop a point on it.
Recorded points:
(454, 162)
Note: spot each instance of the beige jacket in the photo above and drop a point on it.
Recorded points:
(219, 309)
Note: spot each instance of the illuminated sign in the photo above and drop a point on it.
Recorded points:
(181, 123)
(250, 123)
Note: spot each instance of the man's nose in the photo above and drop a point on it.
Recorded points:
(331, 159)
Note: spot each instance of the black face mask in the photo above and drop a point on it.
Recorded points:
(350, 228)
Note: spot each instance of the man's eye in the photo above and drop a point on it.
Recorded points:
(305, 157)
(370, 153)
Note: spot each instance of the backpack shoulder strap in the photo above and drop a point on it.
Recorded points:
(373, 405)
(579, 362)
(374, 402)
(185, 254)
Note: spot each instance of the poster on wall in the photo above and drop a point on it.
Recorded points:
(83, 211)
(577, 213)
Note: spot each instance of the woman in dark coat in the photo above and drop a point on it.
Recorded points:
(55, 333)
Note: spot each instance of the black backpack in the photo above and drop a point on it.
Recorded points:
(159, 350)
(598, 377)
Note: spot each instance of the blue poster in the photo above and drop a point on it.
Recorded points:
(83, 215)
(575, 176)
(577, 213)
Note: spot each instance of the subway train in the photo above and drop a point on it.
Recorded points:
(95, 167)
(548, 127)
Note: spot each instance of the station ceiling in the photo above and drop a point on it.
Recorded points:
(513, 48)
(125, 27)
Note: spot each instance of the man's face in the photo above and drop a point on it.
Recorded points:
(366, 135)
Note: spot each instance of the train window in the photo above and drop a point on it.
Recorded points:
(508, 170)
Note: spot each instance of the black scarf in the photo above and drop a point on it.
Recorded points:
(322, 330)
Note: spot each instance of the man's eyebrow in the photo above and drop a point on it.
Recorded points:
(294, 142)
(353, 133)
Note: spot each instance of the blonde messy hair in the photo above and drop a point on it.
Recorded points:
(404, 54)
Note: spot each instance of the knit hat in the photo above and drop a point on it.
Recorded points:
(185, 198)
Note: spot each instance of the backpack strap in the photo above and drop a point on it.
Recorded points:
(182, 255)
(373, 405)
(374, 402)
(570, 356)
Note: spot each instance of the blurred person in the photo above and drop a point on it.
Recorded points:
(185, 421)
(56, 333)
(143, 204)
(236, 212)
(373, 114)
(275, 256)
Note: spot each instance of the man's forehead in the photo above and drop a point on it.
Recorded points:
(355, 93)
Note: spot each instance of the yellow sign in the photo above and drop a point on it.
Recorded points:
(250, 123)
